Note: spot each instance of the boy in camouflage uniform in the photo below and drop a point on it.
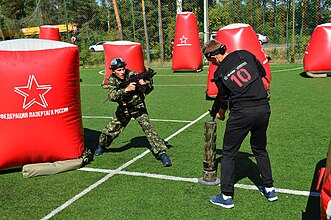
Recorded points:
(131, 103)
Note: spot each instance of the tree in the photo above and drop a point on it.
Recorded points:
(118, 20)
(160, 31)
(146, 32)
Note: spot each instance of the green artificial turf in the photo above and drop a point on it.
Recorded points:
(298, 139)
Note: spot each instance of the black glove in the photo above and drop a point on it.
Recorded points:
(212, 113)
(214, 109)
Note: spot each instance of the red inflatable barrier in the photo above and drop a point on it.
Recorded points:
(211, 91)
(40, 114)
(325, 182)
(186, 44)
(131, 52)
(49, 32)
(239, 37)
(318, 51)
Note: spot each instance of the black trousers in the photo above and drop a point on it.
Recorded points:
(242, 121)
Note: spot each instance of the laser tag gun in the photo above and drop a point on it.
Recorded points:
(147, 75)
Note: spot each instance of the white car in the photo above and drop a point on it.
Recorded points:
(98, 47)
(262, 38)
(213, 35)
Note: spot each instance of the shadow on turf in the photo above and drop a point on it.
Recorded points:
(304, 75)
(91, 141)
(313, 204)
(245, 167)
(11, 170)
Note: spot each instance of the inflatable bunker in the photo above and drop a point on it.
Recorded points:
(40, 112)
(238, 37)
(131, 52)
(324, 185)
(186, 54)
(316, 60)
(49, 32)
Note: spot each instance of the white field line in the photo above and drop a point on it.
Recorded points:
(161, 120)
(90, 85)
(155, 85)
(79, 195)
(118, 170)
(190, 74)
(91, 187)
(102, 72)
(187, 126)
(178, 85)
(150, 175)
(195, 180)
(284, 70)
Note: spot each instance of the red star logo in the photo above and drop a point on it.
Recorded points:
(33, 93)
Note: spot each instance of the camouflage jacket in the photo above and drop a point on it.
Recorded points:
(117, 94)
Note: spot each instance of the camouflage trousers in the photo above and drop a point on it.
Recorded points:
(121, 119)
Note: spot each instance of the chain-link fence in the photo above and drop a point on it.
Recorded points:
(288, 24)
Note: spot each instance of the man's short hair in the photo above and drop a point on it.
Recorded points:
(212, 48)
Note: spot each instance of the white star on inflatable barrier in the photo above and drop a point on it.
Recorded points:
(183, 39)
(33, 93)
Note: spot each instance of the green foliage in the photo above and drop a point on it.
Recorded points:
(96, 20)
(215, 15)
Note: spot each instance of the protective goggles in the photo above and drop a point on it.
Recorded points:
(117, 63)
(221, 50)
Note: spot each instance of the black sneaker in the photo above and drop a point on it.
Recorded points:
(165, 160)
(98, 151)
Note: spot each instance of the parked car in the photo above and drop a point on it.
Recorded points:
(262, 38)
(98, 47)
(213, 35)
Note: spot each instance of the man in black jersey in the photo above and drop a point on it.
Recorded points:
(241, 90)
